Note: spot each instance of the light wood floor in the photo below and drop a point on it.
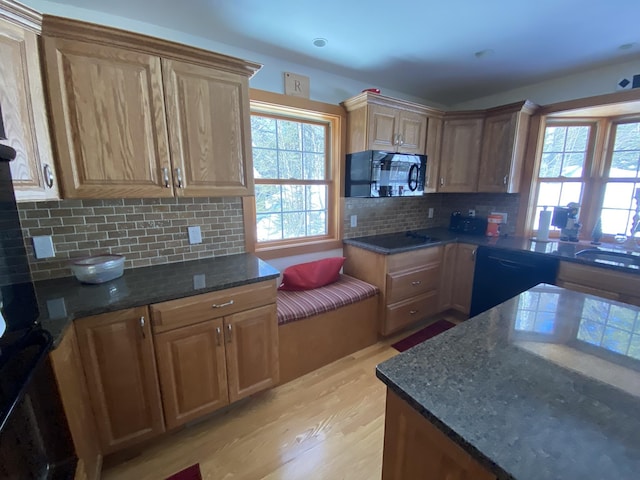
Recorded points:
(328, 424)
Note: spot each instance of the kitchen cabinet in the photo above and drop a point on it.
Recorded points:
(602, 282)
(447, 278)
(434, 145)
(409, 283)
(503, 144)
(135, 116)
(414, 448)
(214, 349)
(463, 277)
(67, 368)
(119, 364)
(23, 105)
(460, 152)
(376, 122)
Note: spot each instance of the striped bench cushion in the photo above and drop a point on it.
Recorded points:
(297, 305)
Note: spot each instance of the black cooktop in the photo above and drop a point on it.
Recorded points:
(409, 238)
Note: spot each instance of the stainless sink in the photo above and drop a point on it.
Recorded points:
(604, 256)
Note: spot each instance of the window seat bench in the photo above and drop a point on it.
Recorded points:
(319, 326)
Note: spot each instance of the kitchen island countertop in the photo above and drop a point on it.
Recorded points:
(543, 386)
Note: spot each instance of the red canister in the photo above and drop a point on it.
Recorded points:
(493, 225)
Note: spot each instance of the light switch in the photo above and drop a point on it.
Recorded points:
(354, 220)
(43, 246)
(195, 236)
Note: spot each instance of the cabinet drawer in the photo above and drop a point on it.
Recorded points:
(198, 308)
(599, 279)
(407, 260)
(402, 285)
(402, 314)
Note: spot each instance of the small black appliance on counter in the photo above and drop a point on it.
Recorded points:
(467, 225)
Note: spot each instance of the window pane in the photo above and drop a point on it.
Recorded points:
(571, 192)
(314, 166)
(577, 138)
(615, 221)
(316, 223)
(549, 193)
(627, 137)
(269, 227)
(314, 138)
(292, 198)
(554, 139)
(293, 225)
(316, 196)
(618, 195)
(550, 165)
(573, 164)
(624, 165)
(289, 135)
(263, 132)
(290, 165)
(265, 163)
(268, 198)
(564, 152)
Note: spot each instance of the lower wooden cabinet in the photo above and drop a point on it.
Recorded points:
(414, 449)
(463, 277)
(228, 356)
(120, 368)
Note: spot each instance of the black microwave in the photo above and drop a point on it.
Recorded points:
(374, 173)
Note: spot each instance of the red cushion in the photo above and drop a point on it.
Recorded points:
(306, 276)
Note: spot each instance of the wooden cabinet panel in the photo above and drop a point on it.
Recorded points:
(463, 277)
(447, 278)
(412, 128)
(615, 285)
(192, 370)
(414, 449)
(402, 314)
(460, 155)
(407, 284)
(252, 351)
(24, 114)
(208, 117)
(108, 115)
(383, 128)
(119, 364)
(413, 259)
(67, 367)
(433, 146)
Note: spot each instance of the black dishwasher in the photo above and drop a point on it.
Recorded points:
(501, 274)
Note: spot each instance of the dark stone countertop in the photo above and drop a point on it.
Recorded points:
(62, 300)
(543, 386)
(392, 243)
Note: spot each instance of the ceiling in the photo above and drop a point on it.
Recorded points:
(422, 48)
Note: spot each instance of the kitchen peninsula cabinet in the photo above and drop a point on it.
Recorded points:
(376, 122)
(23, 105)
(120, 369)
(135, 116)
(214, 349)
(503, 144)
(460, 152)
(409, 283)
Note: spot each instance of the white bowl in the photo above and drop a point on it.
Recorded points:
(98, 269)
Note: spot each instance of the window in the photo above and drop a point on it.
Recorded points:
(296, 147)
(596, 164)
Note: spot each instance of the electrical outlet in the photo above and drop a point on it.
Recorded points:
(199, 281)
(431, 212)
(43, 247)
(354, 221)
(472, 212)
(195, 235)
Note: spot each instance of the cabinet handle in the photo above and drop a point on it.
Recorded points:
(473, 254)
(179, 177)
(48, 175)
(504, 180)
(413, 312)
(229, 333)
(220, 305)
(165, 173)
(218, 332)
(442, 181)
(142, 322)
(400, 139)
(417, 282)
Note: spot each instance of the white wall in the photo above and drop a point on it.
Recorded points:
(324, 87)
(586, 84)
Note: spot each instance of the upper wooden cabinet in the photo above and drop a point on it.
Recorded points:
(135, 116)
(376, 122)
(460, 153)
(503, 144)
(23, 105)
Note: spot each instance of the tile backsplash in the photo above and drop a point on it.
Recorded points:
(146, 231)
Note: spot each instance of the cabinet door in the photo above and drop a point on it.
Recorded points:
(463, 277)
(412, 128)
(24, 114)
(108, 114)
(383, 128)
(119, 364)
(447, 276)
(498, 154)
(192, 370)
(460, 155)
(251, 351)
(209, 127)
(67, 368)
(433, 146)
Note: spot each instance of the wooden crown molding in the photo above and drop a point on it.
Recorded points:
(53, 26)
(21, 15)
(368, 98)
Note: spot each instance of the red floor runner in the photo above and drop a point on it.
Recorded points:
(422, 335)
(190, 473)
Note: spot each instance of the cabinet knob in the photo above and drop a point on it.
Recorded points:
(165, 174)
(220, 305)
(142, 324)
(413, 312)
(416, 283)
(442, 181)
(218, 333)
(473, 254)
(179, 177)
(48, 175)
(504, 180)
